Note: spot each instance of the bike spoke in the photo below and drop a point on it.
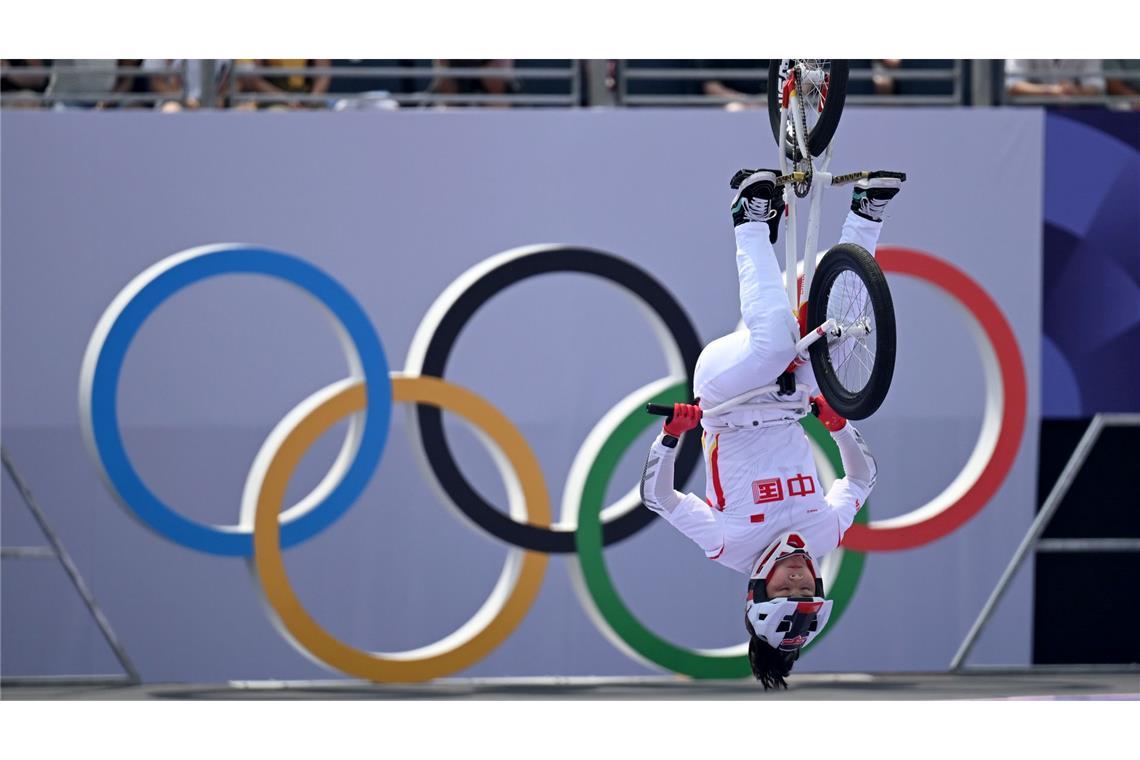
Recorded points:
(815, 74)
(846, 359)
(847, 290)
(846, 374)
(849, 304)
(852, 293)
(856, 355)
(834, 305)
(839, 356)
(844, 366)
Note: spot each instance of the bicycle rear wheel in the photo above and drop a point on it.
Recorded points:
(824, 91)
(854, 368)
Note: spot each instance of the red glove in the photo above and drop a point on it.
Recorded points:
(832, 421)
(685, 417)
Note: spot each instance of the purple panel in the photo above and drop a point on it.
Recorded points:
(1091, 300)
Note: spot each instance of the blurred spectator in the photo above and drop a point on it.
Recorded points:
(474, 85)
(284, 84)
(131, 80)
(740, 90)
(16, 82)
(1127, 82)
(660, 87)
(857, 83)
(399, 82)
(184, 89)
(82, 82)
(544, 87)
(880, 75)
(937, 77)
(1053, 77)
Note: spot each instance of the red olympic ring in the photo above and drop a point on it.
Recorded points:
(1000, 335)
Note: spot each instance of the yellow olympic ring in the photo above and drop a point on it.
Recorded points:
(513, 595)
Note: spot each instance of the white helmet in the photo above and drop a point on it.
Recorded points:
(785, 623)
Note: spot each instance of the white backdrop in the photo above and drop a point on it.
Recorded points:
(395, 206)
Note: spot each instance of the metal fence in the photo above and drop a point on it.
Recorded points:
(89, 83)
(1033, 541)
(354, 83)
(1115, 84)
(522, 85)
(673, 83)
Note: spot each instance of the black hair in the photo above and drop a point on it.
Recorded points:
(769, 665)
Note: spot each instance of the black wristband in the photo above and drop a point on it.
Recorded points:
(669, 441)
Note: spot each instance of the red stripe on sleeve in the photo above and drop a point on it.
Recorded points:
(716, 473)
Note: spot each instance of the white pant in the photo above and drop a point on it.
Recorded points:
(757, 355)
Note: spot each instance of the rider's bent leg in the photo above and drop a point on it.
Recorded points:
(755, 356)
(869, 200)
(861, 231)
(772, 330)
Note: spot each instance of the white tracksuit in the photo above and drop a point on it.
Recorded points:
(761, 479)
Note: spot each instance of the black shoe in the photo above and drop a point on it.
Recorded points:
(870, 197)
(759, 200)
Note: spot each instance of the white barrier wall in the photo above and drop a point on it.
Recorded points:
(395, 206)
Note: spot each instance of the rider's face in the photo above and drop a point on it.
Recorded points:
(792, 577)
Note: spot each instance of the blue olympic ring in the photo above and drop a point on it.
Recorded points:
(104, 361)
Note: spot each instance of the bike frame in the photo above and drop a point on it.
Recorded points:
(797, 296)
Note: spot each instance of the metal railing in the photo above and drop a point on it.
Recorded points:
(75, 83)
(953, 76)
(104, 83)
(1103, 75)
(56, 550)
(570, 75)
(627, 75)
(1032, 538)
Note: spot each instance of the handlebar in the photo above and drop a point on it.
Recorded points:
(659, 409)
(841, 179)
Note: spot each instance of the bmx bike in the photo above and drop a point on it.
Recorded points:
(843, 305)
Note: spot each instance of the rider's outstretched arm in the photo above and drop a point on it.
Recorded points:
(686, 512)
(657, 490)
(848, 494)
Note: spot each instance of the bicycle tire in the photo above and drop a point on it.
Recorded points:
(862, 403)
(820, 135)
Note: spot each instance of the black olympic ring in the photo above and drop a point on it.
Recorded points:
(544, 261)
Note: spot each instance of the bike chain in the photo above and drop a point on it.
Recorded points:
(801, 189)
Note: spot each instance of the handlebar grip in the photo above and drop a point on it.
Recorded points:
(666, 411)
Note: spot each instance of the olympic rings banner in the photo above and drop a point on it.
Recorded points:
(441, 421)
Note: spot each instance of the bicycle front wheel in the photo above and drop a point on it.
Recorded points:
(823, 90)
(854, 366)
